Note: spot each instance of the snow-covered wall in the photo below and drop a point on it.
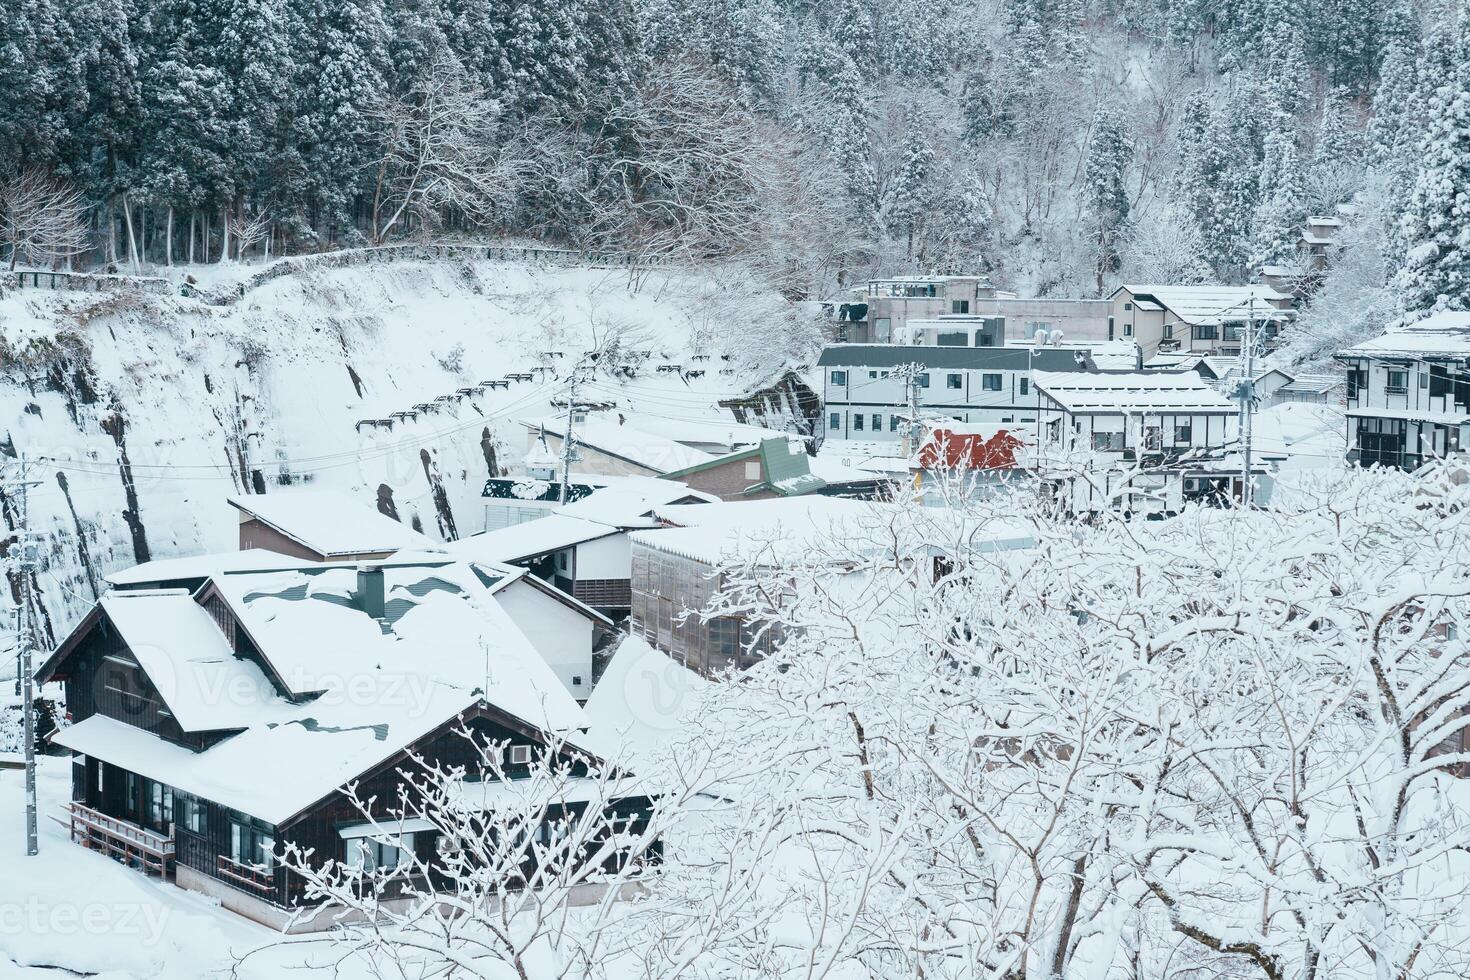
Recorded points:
(157, 408)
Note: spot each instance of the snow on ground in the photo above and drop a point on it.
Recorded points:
(207, 402)
(70, 911)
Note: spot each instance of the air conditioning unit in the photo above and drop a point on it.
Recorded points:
(448, 846)
(1192, 483)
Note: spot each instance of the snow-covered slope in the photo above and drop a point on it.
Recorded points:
(157, 408)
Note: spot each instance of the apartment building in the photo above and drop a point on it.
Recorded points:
(866, 394)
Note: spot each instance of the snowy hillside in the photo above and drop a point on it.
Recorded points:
(159, 408)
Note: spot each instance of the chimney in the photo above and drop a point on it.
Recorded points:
(370, 590)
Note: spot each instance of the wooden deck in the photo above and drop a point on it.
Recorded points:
(120, 839)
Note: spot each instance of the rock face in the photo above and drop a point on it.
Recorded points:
(147, 411)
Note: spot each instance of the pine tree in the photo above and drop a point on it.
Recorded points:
(254, 59)
(1279, 215)
(1109, 154)
(910, 194)
(1436, 226)
(851, 27)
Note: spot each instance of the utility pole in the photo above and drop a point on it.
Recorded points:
(1246, 392)
(909, 373)
(573, 406)
(25, 567)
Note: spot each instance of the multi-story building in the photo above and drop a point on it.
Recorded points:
(1199, 319)
(903, 310)
(867, 396)
(1146, 441)
(1408, 392)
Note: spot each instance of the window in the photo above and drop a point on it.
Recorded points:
(924, 380)
(857, 421)
(1183, 434)
(1127, 306)
(1439, 381)
(160, 805)
(990, 382)
(872, 375)
(753, 469)
(959, 306)
(366, 854)
(1008, 418)
(1153, 437)
(1232, 331)
(877, 422)
(563, 562)
(954, 338)
(189, 813)
(100, 766)
(839, 377)
(251, 841)
(882, 327)
(1207, 332)
(893, 423)
(1398, 382)
(1168, 331)
(520, 755)
(1357, 380)
(1025, 386)
(1107, 441)
(835, 421)
(954, 382)
(1127, 329)
(1423, 380)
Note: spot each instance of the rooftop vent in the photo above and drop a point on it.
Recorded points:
(370, 590)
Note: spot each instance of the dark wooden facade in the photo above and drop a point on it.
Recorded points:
(102, 676)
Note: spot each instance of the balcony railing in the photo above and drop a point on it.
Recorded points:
(121, 839)
(251, 877)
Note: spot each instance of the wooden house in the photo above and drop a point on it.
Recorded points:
(211, 725)
(320, 525)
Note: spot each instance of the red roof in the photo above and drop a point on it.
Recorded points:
(945, 449)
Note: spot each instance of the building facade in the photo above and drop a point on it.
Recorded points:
(1198, 319)
(1137, 441)
(867, 397)
(1408, 393)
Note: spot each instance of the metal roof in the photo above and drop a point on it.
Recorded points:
(971, 358)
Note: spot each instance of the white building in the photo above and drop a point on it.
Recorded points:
(1147, 441)
(1202, 319)
(866, 401)
(1408, 392)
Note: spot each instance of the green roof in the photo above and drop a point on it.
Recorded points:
(787, 474)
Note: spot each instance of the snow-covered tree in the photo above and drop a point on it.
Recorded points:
(1436, 226)
(41, 220)
(1109, 154)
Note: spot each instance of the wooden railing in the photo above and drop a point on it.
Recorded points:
(122, 839)
(251, 876)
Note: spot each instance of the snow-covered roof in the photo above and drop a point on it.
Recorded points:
(329, 522)
(1314, 383)
(652, 452)
(641, 701)
(1206, 305)
(200, 567)
(1445, 334)
(440, 624)
(529, 539)
(203, 684)
(631, 504)
(1133, 391)
(776, 527)
(712, 431)
(1321, 219)
(442, 647)
(274, 771)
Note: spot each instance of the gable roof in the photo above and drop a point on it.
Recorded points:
(785, 467)
(1133, 391)
(330, 523)
(644, 449)
(1213, 305)
(1440, 336)
(529, 539)
(631, 503)
(166, 571)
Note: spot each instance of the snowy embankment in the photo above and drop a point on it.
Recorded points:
(157, 408)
